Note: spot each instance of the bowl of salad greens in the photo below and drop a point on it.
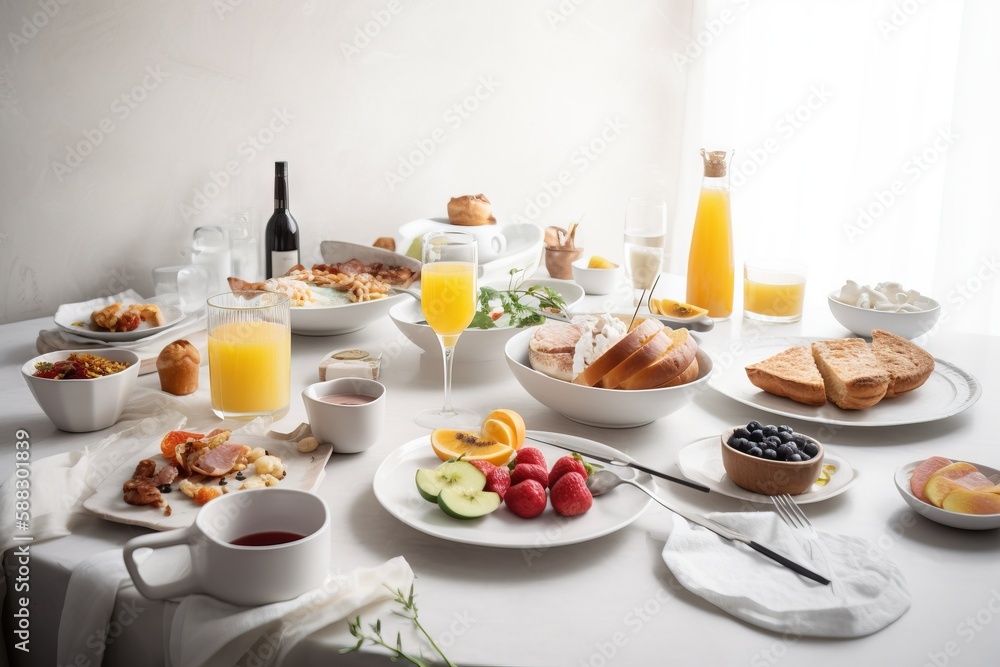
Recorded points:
(502, 310)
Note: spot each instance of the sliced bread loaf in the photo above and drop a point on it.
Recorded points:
(908, 365)
(853, 376)
(671, 363)
(791, 373)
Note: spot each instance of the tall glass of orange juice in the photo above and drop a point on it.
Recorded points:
(448, 299)
(249, 354)
(711, 275)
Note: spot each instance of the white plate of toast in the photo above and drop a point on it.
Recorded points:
(947, 391)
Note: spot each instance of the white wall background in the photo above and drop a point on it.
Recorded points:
(125, 125)
(495, 98)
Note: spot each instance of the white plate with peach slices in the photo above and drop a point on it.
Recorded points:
(959, 494)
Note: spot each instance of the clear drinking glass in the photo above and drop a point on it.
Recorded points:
(645, 240)
(448, 299)
(249, 354)
(774, 290)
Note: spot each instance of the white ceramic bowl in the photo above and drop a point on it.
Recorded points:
(607, 408)
(861, 321)
(473, 344)
(83, 405)
(596, 281)
(943, 516)
(348, 317)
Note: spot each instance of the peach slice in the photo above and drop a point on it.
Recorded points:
(938, 488)
(972, 501)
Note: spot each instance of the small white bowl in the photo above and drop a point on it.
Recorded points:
(861, 321)
(596, 281)
(473, 344)
(83, 405)
(606, 408)
(943, 516)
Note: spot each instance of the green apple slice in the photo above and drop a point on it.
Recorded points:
(466, 504)
(461, 474)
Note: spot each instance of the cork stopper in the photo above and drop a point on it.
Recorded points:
(715, 163)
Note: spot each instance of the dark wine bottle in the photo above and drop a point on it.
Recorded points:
(281, 238)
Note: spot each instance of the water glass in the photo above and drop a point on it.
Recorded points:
(249, 354)
(187, 282)
(645, 239)
(210, 249)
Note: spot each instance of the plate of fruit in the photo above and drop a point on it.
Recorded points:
(954, 493)
(494, 487)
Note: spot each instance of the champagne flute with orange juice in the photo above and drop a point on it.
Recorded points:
(448, 299)
(711, 274)
(249, 354)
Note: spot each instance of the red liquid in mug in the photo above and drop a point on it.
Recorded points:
(266, 538)
(347, 399)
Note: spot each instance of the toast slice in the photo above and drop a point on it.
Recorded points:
(689, 374)
(672, 363)
(852, 374)
(909, 365)
(791, 373)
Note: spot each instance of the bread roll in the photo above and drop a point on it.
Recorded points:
(671, 363)
(470, 211)
(551, 349)
(618, 353)
(791, 373)
(177, 366)
(853, 377)
(386, 243)
(908, 365)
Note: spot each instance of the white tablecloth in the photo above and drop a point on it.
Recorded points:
(608, 601)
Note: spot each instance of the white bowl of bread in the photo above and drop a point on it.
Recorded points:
(595, 373)
(848, 372)
(907, 313)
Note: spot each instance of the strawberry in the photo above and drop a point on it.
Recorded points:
(530, 455)
(526, 499)
(498, 481)
(570, 495)
(485, 467)
(523, 471)
(567, 464)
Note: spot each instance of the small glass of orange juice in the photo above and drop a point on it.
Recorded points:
(249, 354)
(774, 290)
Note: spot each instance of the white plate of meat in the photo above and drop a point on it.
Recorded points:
(119, 318)
(148, 472)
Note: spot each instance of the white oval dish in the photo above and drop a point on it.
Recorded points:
(861, 321)
(943, 516)
(606, 408)
(473, 344)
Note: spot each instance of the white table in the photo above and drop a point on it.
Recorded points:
(608, 601)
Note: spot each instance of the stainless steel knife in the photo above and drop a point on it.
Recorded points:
(730, 534)
(622, 463)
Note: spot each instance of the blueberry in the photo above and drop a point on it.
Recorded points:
(811, 449)
(757, 435)
(732, 440)
(785, 428)
(741, 432)
(754, 425)
(774, 440)
(770, 430)
(805, 457)
(771, 454)
(756, 451)
(799, 438)
(165, 488)
(784, 451)
(785, 436)
(795, 457)
(768, 445)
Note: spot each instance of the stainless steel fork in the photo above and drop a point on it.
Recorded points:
(792, 514)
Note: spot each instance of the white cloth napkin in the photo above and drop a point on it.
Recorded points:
(868, 590)
(206, 631)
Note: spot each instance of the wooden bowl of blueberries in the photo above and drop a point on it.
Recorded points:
(770, 459)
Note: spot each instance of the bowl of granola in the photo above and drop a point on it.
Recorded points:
(82, 390)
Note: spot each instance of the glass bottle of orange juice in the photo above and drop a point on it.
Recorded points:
(711, 277)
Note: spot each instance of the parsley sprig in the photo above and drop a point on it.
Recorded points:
(522, 304)
(406, 601)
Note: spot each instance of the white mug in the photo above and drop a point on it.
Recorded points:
(491, 241)
(246, 575)
(348, 428)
